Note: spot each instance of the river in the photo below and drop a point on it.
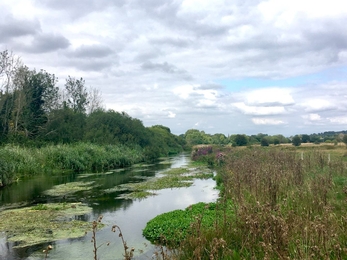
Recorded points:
(130, 215)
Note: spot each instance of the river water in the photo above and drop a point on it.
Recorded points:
(130, 215)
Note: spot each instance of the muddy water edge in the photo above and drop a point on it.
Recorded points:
(103, 194)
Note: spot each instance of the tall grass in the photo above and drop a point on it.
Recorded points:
(283, 208)
(16, 161)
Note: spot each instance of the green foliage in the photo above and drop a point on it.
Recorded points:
(296, 140)
(344, 139)
(110, 127)
(240, 140)
(194, 137)
(276, 141)
(83, 156)
(77, 94)
(65, 126)
(18, 161)
(163, 142)
(39, 207)
(174, 226)
(264, 142)
(305, 138)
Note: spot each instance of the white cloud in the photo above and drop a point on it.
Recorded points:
(148, 55)
(259, 110)
(317, 104)
(171, 115)
(267, 121)
(312, 117)
(269, 96)
(341, 120)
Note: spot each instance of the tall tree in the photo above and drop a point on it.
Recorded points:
(77, 94)
(95, 100)
(9, 64)
(35, 96)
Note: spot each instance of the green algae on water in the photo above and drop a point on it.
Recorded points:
(69, 188)
(173, 178)
(44, 223)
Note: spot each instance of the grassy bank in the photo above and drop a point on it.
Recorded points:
(285, 206)
(276, 203)
(17, 162)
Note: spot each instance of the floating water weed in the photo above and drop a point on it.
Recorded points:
(43, 223)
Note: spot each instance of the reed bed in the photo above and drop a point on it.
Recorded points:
(17, 162)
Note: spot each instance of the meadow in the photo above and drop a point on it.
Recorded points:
(278, 202)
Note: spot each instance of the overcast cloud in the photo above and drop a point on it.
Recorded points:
(244, 66)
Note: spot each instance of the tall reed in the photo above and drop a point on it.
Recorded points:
(16, 161)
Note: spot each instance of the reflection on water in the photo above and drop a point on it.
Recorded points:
(130, 215)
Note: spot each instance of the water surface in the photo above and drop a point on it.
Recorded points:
(130, 215)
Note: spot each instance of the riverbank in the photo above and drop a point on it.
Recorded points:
(17, 162)
(286, 203)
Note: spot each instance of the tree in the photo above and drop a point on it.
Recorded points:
(296, 140)
(95, 101)
(9, 64)
(264, 142)
(65, 126)
(240, 140)
(305, 138)
(77, 94)
(276, 141)
(219, 139)
(35, 97)
(344, 139)
(194, 137)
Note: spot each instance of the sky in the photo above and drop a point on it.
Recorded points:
(231, 67)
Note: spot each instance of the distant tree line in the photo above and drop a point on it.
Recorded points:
(195, 137)
(35, 111)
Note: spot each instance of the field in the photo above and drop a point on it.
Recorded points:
(279, 202)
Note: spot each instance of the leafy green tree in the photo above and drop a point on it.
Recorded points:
(35, 95)
(165, 142)
(240, 140)
(65, 126)
(194, 137)
(110, 127)
(77, 94)
(276, 141)
(296, 140)
(264, 141)
(219, 139)
(305, 138)
(9, 64)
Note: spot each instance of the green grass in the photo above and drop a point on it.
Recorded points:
(17, 162)
(284, 207)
